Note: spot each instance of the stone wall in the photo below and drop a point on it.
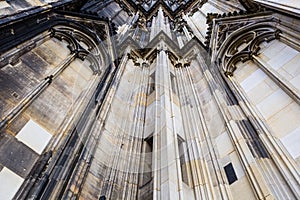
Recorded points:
(277, 108)
(46, 106)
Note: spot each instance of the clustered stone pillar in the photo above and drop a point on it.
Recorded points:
(167, 177)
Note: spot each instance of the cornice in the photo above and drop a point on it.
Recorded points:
(154, 8)
(149, 52)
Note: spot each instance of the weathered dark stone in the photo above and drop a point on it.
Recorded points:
(36, 63)
(16, 156)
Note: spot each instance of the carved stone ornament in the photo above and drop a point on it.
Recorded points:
(242, 44)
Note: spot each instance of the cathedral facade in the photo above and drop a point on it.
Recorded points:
(156, 99)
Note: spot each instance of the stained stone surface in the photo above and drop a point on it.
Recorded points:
(149, 99)
(17, 156)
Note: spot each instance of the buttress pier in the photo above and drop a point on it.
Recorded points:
(158, 99)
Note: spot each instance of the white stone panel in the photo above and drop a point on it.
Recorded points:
(274, 103)
(253, 80)
(286, 120)
(241, 189)
(188, 192)
(271, 49)
(57, 46)
(282, 57)
(284, 73)
(224, 144)
(291, 143)
(260, 92)
(244, 69)
(82, 68)
(34, 136)
(200, 22)
(9, 184)
(296, 82)
(292, 67)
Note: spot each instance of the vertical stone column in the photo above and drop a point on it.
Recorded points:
(87, 157)
(194, 28)
(197, 166)
(166, 179)
(160, 21)
(198, 124)
(134, 148)
(167, 28)
(186, 32)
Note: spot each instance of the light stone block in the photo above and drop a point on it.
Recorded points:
(35, 2)
(34, 136)
(292, 67)
(241, 189)
(272, 84)
(243, 70)
(283, 57)
(210, 8)
(298, 161)
(169, 190)
(259, 93)
(148, 130)
(263, 57)
(59, 47)
(164, 190)
(225, 160)
(82, 68)
(291, 143)
(215, 125)
(9, 184)
(286, 120)
(188, 192)
(274, 103)
(296, 82)
(224, 144)
(253, 80)
(283, 73)
(76, 80)
(271, 49)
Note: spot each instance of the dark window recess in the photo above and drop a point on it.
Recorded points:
(173, 83)
(14, 94)
(230, 173)
(152, 83)
(149, 141)
(102, 198)
(183, 160)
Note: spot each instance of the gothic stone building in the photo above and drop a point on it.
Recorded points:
(155, 99)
